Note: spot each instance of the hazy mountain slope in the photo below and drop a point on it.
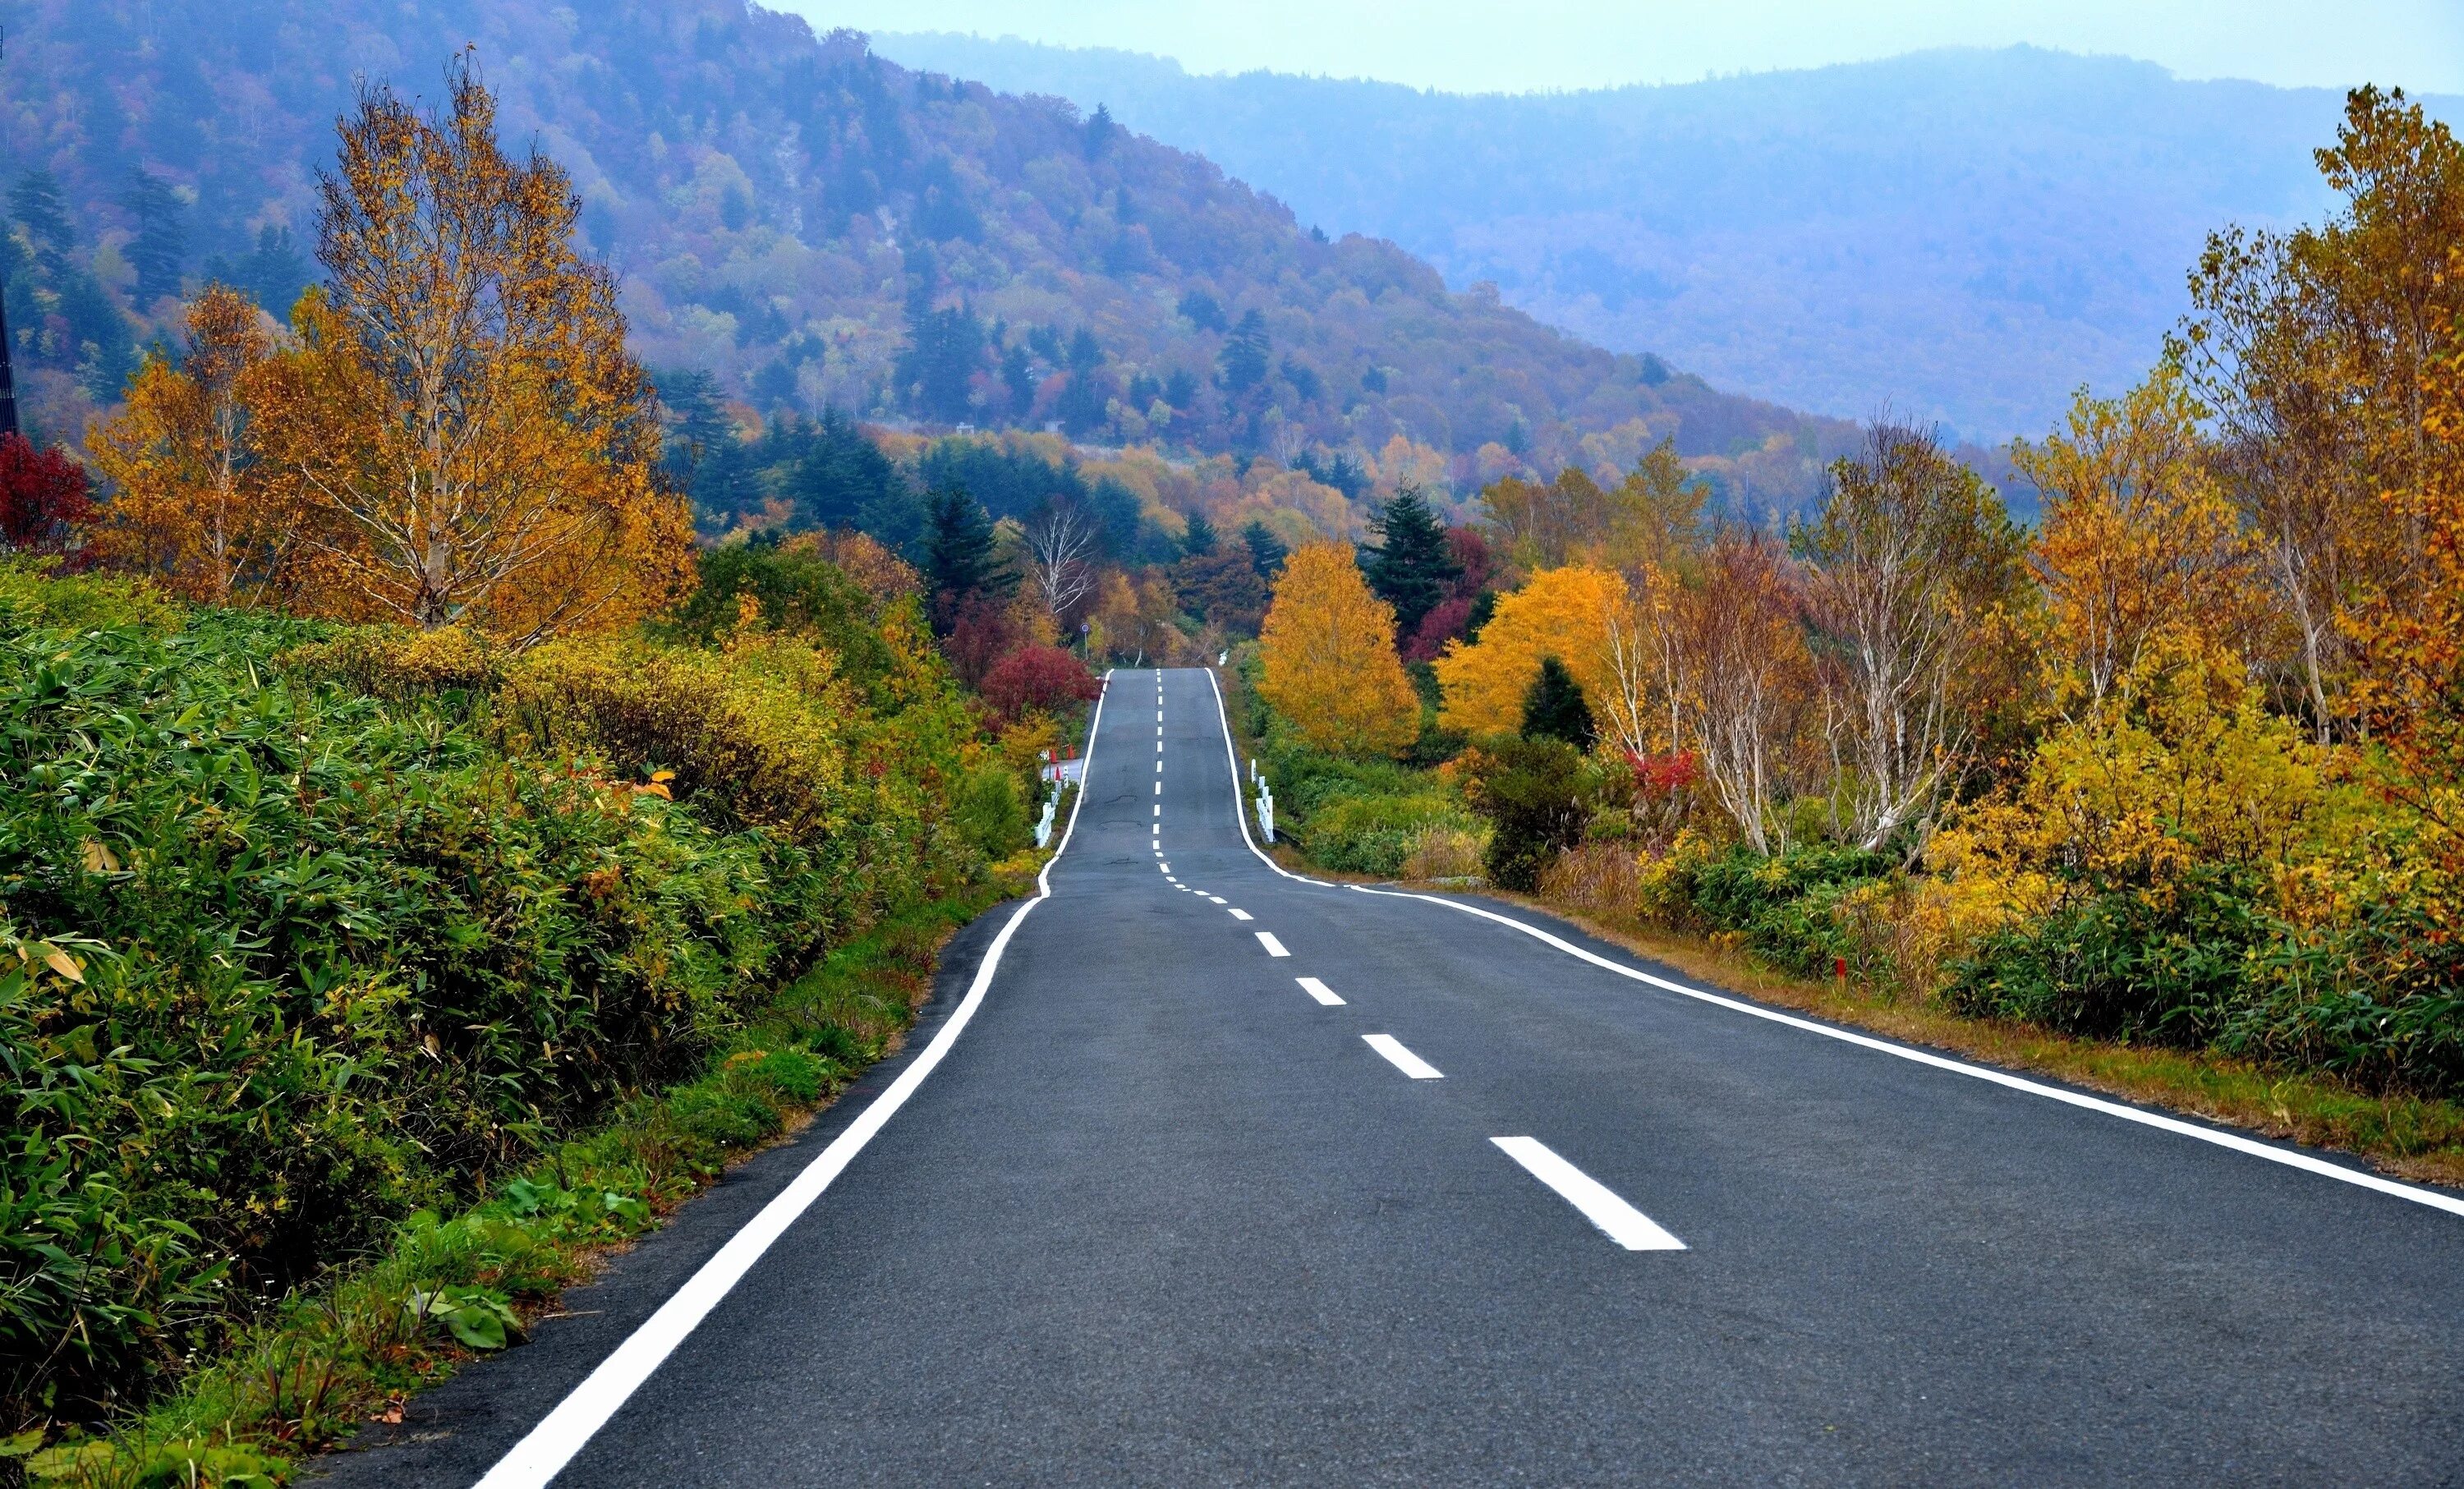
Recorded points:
(1966, 234)
(821, 227)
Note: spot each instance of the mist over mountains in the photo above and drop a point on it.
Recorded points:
(820, 227)
(1963, 235)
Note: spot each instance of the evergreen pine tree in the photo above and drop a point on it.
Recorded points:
(1554, 708)
(162, 239)
(1267, 551)
(1412, 564)
(1200, 538)
(959, 558)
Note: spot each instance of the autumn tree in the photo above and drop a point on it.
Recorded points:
(1744, 678)
(196, 506)
(1905, 568)
(459, 410)
(1566, 613)
(46, 501)
(2314, 349)
(1328, 650)
(2138, 537)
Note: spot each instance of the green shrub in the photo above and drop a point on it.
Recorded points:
(991, 813)
(1532, 793)
(338, 951)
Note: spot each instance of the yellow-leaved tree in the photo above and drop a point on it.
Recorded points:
(195, 507)
(1327, 648)
(458, 412)
(1570, 613)
(2138, 537)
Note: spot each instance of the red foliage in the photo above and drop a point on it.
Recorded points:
(1038, 678)
(44, 498)
(1470, 548)
(1659, 776)
(1445, 621)
(980, 634)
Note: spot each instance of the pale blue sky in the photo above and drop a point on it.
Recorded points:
(1482, 45)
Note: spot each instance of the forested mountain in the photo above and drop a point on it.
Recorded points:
(1967, 234)
(818, 228)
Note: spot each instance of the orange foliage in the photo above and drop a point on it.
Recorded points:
(195, 505)
(1327, 648)
(1567, 613)
(457, 419)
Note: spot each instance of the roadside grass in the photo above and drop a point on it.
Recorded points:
(451, 1289)
(2412, 1137)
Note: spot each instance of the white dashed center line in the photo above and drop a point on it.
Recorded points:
(1242, 914)
(1275, 947)
(1166, 867)
(1216, 898)
(1401, 1059)
(1319, 991)
(1622, 1222)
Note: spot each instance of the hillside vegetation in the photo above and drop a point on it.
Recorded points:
(818, 227)
(1966, 235)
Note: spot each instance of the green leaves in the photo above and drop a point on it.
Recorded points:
(479, 1318)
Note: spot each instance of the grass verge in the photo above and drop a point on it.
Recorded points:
(451, 1289)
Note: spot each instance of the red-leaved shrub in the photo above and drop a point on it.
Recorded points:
(1037, 678)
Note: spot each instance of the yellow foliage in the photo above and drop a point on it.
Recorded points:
(1565, 613)
(1327, 652)
(2138, 536)
(758, 727)
(2188, 768)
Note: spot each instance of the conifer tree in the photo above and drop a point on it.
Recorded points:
(1267, 551)
(1200, 537)
(1554, 708)
(959, 558)
(1412, 564)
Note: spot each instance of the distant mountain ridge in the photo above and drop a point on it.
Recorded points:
(1966, 235)
(821, 228)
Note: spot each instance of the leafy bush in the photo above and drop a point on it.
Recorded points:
(1361, 817)
(283, 961)
(1531, 791)
(1038, 680)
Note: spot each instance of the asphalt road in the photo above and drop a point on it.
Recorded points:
(1161, 1215)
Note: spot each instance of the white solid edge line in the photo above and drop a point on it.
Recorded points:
(1242, 914)
(1622, 1222)
(548, 1447)
(1320, 990)
(2290, 1158)
(1401, 1059)
(1275, 947)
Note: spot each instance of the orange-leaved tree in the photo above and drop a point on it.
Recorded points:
(1569, 613)
(1328, 650)
(459, 410)
(195, 507)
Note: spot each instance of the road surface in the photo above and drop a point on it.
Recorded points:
(1212, 1174)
